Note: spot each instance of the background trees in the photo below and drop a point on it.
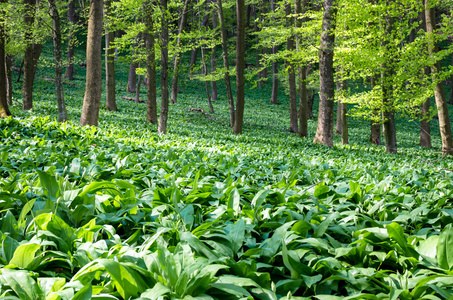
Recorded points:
(367, 47)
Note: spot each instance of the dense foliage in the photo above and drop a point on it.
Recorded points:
(119, 212)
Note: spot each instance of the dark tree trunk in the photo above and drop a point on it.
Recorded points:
(343, 107)
(177, 61)
(451, 87)
(69, 74)
(300, 6)
(29, 76)
(293, 126)
(338, 119)
(151, 103)
(439, 95)
(4, 109)
(62, 113)
(226, 63)
(110, 85)
(206, 84)
(9, 78)
(240, 66)
(162, 128)
(93, 86)
(137, 90)
(375, 132)
(311, 101)
(324, 132)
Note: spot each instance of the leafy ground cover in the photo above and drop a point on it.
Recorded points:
(119, 212)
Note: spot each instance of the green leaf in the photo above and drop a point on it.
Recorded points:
(84, 293)
(50, 184)
(445, 248)
(22, 284)
(24, 255)
(237, 234)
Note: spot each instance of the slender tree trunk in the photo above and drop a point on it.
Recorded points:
(451, 88)
(293, 126)
(258, 49)
(110, 93)
(240, 66)
(69, 74)
(151, 103)
(338, 119)
(375, 132)
(324, 132)
(343, 107)
(9, 79)
(132, 78)
(425, 126)
(4, 109)
(137, 90)
(27, 88)
(62, 113)
(93, 86)
(177, 60)
(226, 63)
(303, 101)
(206, 84)
(162, 128)
(213, 57)
(439, 95)
(274, 95)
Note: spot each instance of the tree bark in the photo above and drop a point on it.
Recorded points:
(375, 132)
(110, 85)
(293, 126)
(137, 90)
(4, 109)
(324, 132)
(300, 7)
(451, 87)
(343, 108)
(27, 88)
(9, 79)
(240, 66)
(162, 128)
(205, 73)
(177, 60)
(69, 74)
(226, 63)
(439, 95)
(62, 113)
(132, 78)
(151, 103)
(93, 86)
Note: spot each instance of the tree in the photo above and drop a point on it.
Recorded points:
(29, 57)
(439, 95)
(300, 7)
(62, 113)
(291, 74)
(240, 66)
(110, 94)
(69, 74)
(162, 128)
(274, 95)
(151, 103)
(93, 87)
(226, 63)
(324, 132)
(4, 110)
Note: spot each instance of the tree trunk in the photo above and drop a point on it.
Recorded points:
(206, 84)
(240, 66)
(274, 95)
(151, 103)
(451, 87)
(137, 90)
(258, 49)
(69, 74)
(439, 95)
(4, 109)
(213, 57)
(27, 88)
(132, 78)
(177, 60)
(162, 128)
(226, 63)
(110, 85)
(343, 108)
(375, 133)
(93, 86)
(62, 113)
(291, 76)
(9, 79)
(338, 119)
(303, 101)
(324, 132)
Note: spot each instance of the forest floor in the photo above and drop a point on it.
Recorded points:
(120, 212)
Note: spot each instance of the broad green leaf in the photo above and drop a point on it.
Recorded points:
(236, 234)
(49, 183)
(24, 255)
(84, 293)
(445, 248)
(22, 284)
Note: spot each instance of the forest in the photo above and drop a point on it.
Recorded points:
(209, 149)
